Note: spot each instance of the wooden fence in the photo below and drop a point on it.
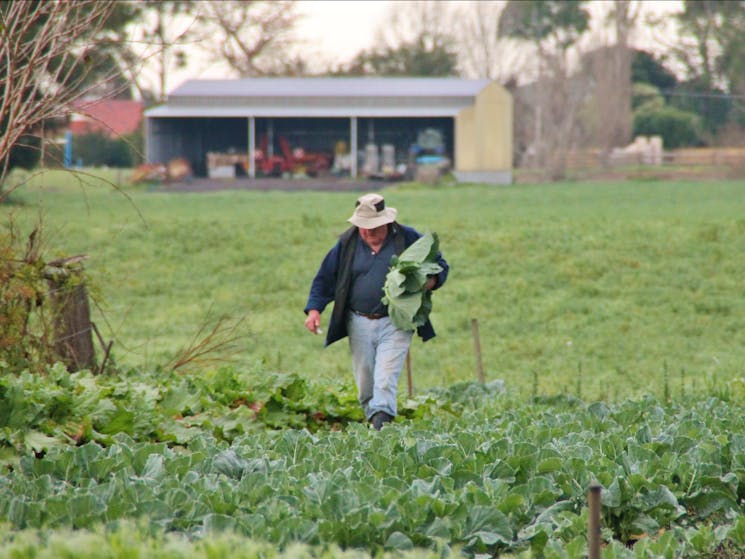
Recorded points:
(730, 157)
(695, 157)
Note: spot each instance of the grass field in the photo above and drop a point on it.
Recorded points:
(629, 292)
(600, 290)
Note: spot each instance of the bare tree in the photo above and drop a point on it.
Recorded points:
(427, 21)
(552, 28)
(482, 52)
(45, 65)
(252, 37)
(610, 68)
(163, 32)
(168, 47)
(548, 112)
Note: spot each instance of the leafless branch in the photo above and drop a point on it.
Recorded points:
(213, 343)
(609, 67)
(428, 20)
(253, 35)
(160, 40)
(45, 64)
(482, 52)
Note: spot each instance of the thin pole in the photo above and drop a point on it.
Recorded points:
(353, 146)
(251, 147)
(408, 373)
(270, 136)
(477, 348)
(594, 521)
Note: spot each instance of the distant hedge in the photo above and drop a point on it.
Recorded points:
(96, 150)
(678, 128)
(25, 153)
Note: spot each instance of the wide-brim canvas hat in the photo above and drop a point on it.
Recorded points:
(370, 212)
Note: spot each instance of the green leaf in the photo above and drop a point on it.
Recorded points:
(706, 504)
(409, 304)
(230, 464)
(511, 503)
(154, 467)
(38, 441)
(399, 542)
(218, 523)
(120, 422)
(403, 309)
(553, 464)
(488, 524)
(421, 249)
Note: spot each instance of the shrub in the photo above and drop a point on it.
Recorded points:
(33, 299)
(646, 96)
(677, 128)
(97, 150)
(25, 153)
(22, 345)
(711, 104)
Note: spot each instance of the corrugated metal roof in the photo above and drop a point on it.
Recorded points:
(166, 111)
(334, 87)
(320, 97)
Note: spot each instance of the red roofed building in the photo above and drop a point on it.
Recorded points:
(113, 117)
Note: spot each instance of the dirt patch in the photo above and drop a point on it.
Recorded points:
(331, 184)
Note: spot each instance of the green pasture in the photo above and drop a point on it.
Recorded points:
(603, 290)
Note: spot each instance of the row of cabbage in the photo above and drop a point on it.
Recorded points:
(42, 412)
(470, 469)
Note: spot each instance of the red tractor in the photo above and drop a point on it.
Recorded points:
(291, 161)
(300, 161)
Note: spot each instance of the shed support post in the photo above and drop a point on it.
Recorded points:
(148, 144)
(353, 146)
(251, 147)
(270, 136)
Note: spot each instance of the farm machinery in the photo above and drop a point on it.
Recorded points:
(294, 161)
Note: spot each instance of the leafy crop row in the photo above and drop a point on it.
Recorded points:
(470, 469)
(40, 412)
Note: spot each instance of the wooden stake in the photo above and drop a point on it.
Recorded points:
(477, 348)
(593, 535)
(408, 373)
(72, 315)
(106, 347)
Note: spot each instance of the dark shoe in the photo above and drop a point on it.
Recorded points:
(379, 418)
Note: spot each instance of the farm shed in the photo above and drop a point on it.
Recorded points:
(271, 116)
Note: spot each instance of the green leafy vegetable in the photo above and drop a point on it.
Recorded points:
(409, 303)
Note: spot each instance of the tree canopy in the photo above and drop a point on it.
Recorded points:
(560, 22)
(415, 58)
(52, 53)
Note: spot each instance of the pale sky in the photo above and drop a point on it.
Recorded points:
(334, 31)
(330, 31)
(341, 29)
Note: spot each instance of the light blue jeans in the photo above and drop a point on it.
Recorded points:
(378, 354)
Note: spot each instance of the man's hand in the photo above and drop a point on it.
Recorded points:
(313, 321)
(431, 283)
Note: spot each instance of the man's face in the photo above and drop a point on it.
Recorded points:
(374, 237)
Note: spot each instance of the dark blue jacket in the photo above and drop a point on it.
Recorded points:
(334, 277)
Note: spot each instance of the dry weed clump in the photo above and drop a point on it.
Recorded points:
(37, 299)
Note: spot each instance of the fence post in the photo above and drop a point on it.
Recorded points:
(477, 349)
(72, 321)
(593, 535)
(408, 373)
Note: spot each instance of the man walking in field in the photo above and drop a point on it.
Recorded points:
(353, 275)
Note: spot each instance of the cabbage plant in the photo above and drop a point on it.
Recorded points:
(409, 303)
